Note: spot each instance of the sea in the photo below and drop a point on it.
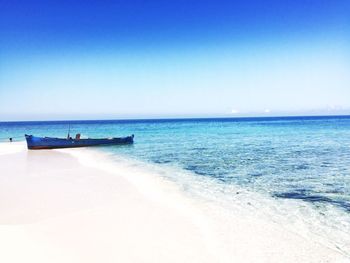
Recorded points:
(295, 169)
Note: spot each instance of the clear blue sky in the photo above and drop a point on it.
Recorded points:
(180, 58)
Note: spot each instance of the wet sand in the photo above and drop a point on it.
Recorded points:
(75, 205)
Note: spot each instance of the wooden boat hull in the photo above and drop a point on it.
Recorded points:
(37, 143)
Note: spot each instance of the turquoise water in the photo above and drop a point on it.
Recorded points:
(294, 169)
(302, 158)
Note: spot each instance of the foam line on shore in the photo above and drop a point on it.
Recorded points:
(151, 181)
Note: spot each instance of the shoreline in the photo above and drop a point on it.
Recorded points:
(75, 205)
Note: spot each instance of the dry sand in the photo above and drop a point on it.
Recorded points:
(77, 206)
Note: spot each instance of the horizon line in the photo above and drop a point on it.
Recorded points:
(187, 118)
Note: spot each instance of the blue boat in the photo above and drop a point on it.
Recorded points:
(36, 143)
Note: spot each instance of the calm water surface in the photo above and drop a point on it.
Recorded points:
(304, 158)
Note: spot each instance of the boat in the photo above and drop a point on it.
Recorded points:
(36, 143)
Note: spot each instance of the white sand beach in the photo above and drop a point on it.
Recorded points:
(75, 205)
